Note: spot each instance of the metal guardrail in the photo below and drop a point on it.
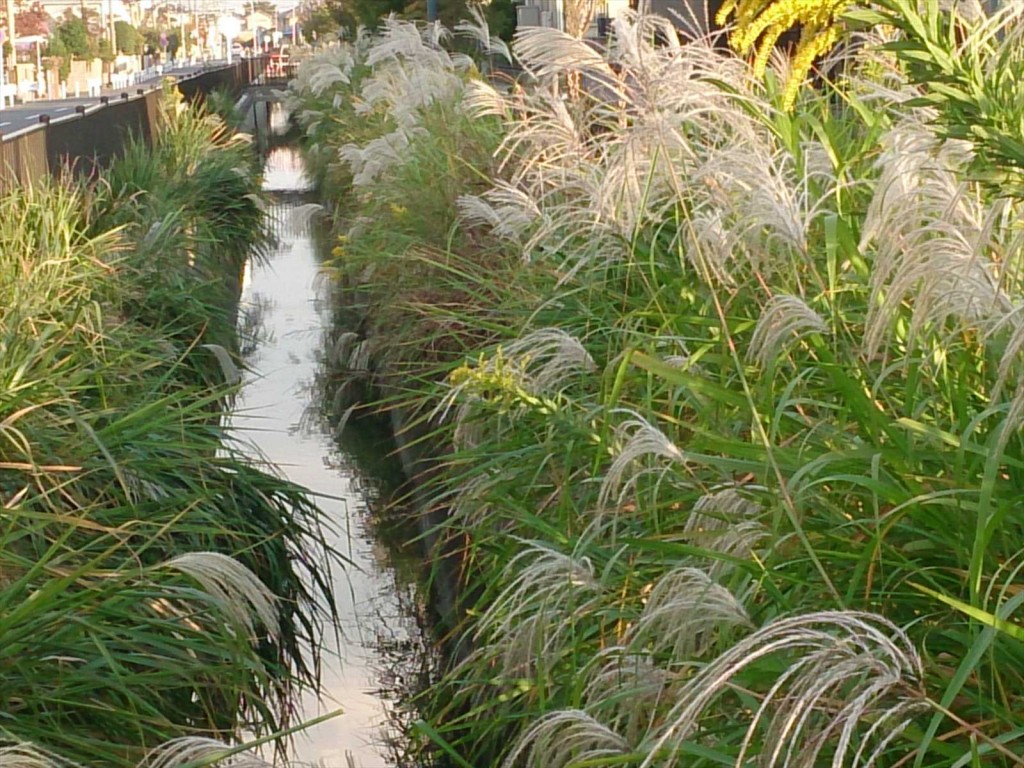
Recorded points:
(91, 137)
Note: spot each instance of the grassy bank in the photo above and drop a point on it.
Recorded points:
(729, 394)
(149, 574)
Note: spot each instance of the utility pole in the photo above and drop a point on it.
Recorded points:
(113, 30)
(12, 35)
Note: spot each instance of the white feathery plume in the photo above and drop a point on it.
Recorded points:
(481, 99)
(190, 750)
(369, 162)
(325, 77)
(783, 321)
(398, 39)
(551, 356)
(240, 593)
(24, 754)
(476, 28)
(533, 612)
(300, 216)
(232, 375)
(310, 118)
(565, 738)
(140, 489)
(359, 359)
(726, 522)
(618, 151)
(626, 690)
(711, 245)
(472, 506)
(546, 53)
(684, 614)
(642, 440)
(341, 350)
(758, 189)
(541, 363)
(507, 211)
(851, 677)
(931, 237)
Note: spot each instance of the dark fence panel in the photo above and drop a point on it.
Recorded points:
(95, 139)
(231, 79)
(91, 139)
(22, 160)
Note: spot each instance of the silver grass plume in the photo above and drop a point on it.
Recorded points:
(531, 616)
(659, 117)
(711, 245)
(541, 362)
(300, 216)
(326, 70)
(725, 521)
(685, 613)
(476, 28)
(508, 212)
(24, 754)
(546, 53)
(564, 739)
(758, 189)
(626, 690)
(191, 750)
(369, 162)
(784, 320)
(473, 508)
(641, 441)
(552, 356)
(931, 236)
(852, 685)
(481, 99)
(239, 592)
(341, 350)
(232, 375)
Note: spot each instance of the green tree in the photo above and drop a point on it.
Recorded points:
(76, 40)
(501, 18)
(334, 14)
(129, 40)
(58, 51)
(321, 20)
(105, 51)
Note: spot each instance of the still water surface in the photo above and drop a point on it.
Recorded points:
(278, 413)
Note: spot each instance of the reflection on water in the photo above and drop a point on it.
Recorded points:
(278, 413)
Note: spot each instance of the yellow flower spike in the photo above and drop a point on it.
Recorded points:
(806, 54)
(765, 53)
(760, 25)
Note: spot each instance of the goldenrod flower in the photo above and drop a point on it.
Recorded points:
(760, 24)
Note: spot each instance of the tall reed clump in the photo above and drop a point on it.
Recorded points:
(195, 191)
(151, 578)
(738, 483)
(382, 117)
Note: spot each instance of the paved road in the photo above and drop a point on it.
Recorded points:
(23, 116)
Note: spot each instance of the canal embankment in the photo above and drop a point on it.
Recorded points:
(715, 405)
(156, 583)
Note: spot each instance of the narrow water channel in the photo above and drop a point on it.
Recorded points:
(278, 413)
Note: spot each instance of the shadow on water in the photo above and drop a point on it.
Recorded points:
(381, 656)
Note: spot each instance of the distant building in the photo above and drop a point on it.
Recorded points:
(687, 15)
(59, 9)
